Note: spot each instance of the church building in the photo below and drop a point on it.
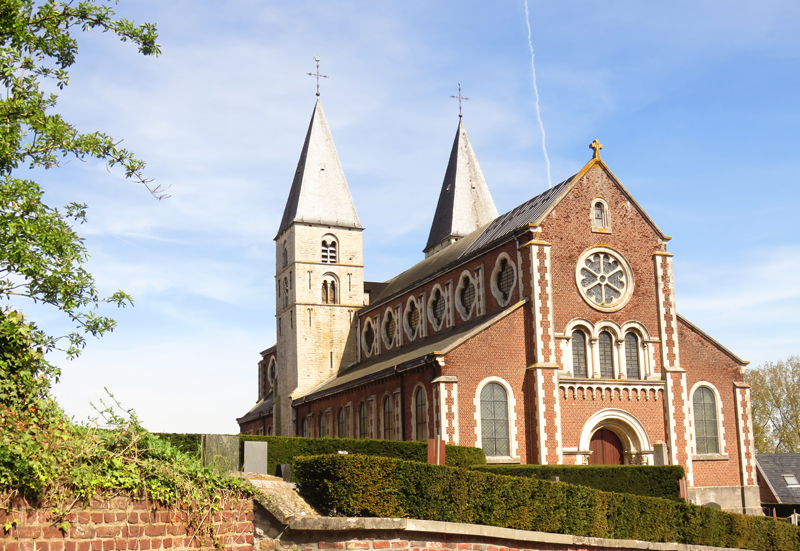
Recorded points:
(545, 335)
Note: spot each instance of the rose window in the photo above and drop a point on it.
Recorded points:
(604, 279)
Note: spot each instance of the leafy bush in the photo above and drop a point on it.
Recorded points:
(358, 485)
(186, 443)
(653, 481)
(283, 449)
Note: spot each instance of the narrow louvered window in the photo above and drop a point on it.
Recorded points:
(421, 413)
(579, 354)
(388, 419)
(363, 422)
(606, 356)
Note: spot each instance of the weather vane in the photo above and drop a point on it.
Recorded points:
(318, 74)
(459, 97)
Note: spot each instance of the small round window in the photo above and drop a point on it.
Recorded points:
(604, 279)
(504, 279)
(465, 296)
(411, 320)
(389, 328)
(436, 308)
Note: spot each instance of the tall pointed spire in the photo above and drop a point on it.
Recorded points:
(465, 203)
(319, 192)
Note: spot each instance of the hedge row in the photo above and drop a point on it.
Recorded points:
(187, 443)
(652, 481)
(283, 449)
(356, 485)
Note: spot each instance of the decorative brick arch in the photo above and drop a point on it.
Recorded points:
(630, 431)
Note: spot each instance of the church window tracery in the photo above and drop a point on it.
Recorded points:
(606, 355)
(705, 421)
(465, 293)
(604, 279)
(632, 356)
(388, 419)
(579, 367)
(504, 279)
(389, 328)
(438, 308)
(412, 318)
(368, 338)
(494, 421)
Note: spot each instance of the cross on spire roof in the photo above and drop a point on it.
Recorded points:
(597, 146)
(317, 74)
(459, 97)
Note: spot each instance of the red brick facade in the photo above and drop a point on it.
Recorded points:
(644, 364)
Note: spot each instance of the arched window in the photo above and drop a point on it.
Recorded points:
(329, 289)
(285, 257)
(606, 355)
(329, 252)
(421, 413)
(324, 292)
(285, 292)
(342, 424)
(363, 422)
(632, 356)
(333, 293)
(269, 430)
(494, 421)
(388, 419)
(305, 427)
(322, 426)
(600, 215)
(579, 354)
(705, 421)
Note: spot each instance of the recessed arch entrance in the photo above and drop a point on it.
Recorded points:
(615, 437)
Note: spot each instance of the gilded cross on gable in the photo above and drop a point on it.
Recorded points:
(597, 146)
(459, 97)
(317, 74)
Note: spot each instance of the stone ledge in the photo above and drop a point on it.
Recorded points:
(330, 524)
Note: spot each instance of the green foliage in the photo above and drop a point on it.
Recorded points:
(653, 481)
(283, 449)
(186, 443)
(41, 256)
(776, 405)
(358, 485)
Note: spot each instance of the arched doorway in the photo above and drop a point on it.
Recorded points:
(606, 448)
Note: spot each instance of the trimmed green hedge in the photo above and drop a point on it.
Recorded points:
(283, 449)
(652, 481)
(358, 485)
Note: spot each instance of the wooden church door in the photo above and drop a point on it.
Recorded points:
(606, 449)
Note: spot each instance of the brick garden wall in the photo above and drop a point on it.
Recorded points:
(123, 523)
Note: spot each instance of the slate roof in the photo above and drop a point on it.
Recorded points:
(319, 193)
(773, 466)
(262, 408)
(465, 203)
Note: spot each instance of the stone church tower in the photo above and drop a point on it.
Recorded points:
(319, 274)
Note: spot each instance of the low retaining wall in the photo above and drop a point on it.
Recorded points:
(122, 523)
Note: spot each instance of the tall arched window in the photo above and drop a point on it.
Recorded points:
(342, 424)
(333, 293)
(606, 355)
(324, 292)
(632, 356)
(579, 354)
(494, 421)
(285, 292)
(322, 426)
(305, 427)
(421, 414)
(600, 218)
(705, 421)
(388, 419)
(329, 289)
(285, 257)
(363, 421)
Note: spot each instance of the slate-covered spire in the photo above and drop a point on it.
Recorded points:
(319, 192)
(465, 203)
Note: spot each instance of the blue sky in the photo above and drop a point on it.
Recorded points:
(696, 103)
